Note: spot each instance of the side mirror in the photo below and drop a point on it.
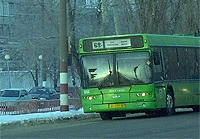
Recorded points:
(69, 59)
(156, 58)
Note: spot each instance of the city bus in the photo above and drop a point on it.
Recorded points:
(132, 73)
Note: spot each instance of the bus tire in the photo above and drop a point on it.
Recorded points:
(106, 116)
(170, 107)
(154, 113)
(196, 108)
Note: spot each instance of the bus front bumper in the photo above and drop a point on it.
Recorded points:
(134, 106)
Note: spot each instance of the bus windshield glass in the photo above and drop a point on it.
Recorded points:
(124, 69)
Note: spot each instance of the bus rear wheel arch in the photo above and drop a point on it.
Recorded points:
(170, 104)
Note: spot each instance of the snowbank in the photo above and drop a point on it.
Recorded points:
(42, 118)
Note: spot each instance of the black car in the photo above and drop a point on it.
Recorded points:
(44, 93)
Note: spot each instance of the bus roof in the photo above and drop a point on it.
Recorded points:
(172, 40)
(160, 40)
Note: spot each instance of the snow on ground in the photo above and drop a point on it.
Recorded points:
(52, 116)
(6, 119)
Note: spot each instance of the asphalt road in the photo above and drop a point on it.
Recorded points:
(181, 125)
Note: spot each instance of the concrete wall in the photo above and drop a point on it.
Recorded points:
(19, 79)
(23, 79)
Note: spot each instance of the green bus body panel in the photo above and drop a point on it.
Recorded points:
(142, 89)
(172, 40)
(116, 95)
(136, 106)
(186, 93)
(160, 92)
(131, 97)
(86, 93)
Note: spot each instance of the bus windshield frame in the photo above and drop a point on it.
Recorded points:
(116, 69)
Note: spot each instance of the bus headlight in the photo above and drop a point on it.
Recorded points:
(143, 94)
(90, 98)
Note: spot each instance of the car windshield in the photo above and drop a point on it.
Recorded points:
(10, 93)
(116, 69)
(39, 91)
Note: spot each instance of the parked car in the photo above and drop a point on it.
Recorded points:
(13, 94)
(1, 92)
(57, 89)
(44, 93)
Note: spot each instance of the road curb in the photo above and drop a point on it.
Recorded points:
(34, 122)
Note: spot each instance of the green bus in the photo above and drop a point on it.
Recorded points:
(133, 73)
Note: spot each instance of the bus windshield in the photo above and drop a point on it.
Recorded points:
(124, 69)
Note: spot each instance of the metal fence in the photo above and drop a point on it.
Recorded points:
(35, 106)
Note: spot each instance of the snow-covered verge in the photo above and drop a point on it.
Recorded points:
(12, 121)
(7, 121)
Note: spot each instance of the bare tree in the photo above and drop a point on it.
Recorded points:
(151, 15)
(105, 18)
(192, 15)
(164, 16)
(37, 33)
(36, 26)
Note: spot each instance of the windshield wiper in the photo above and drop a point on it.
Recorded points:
(136, 77)
(135, 69)
(109, 68)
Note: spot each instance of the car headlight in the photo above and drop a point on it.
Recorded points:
(42, 98)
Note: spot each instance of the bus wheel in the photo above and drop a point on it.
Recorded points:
(170, 108)
(106, 116)
(196, 108)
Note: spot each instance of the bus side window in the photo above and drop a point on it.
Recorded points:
(156, 58)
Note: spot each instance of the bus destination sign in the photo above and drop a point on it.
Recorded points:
(101, 44)
(117, 43)
(111, 44)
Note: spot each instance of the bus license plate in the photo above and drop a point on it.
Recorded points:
(116, 105)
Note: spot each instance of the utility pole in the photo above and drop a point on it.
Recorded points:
(44, 76)
(63, 59)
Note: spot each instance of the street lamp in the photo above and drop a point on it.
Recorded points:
(7, 58)
(40, 79)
